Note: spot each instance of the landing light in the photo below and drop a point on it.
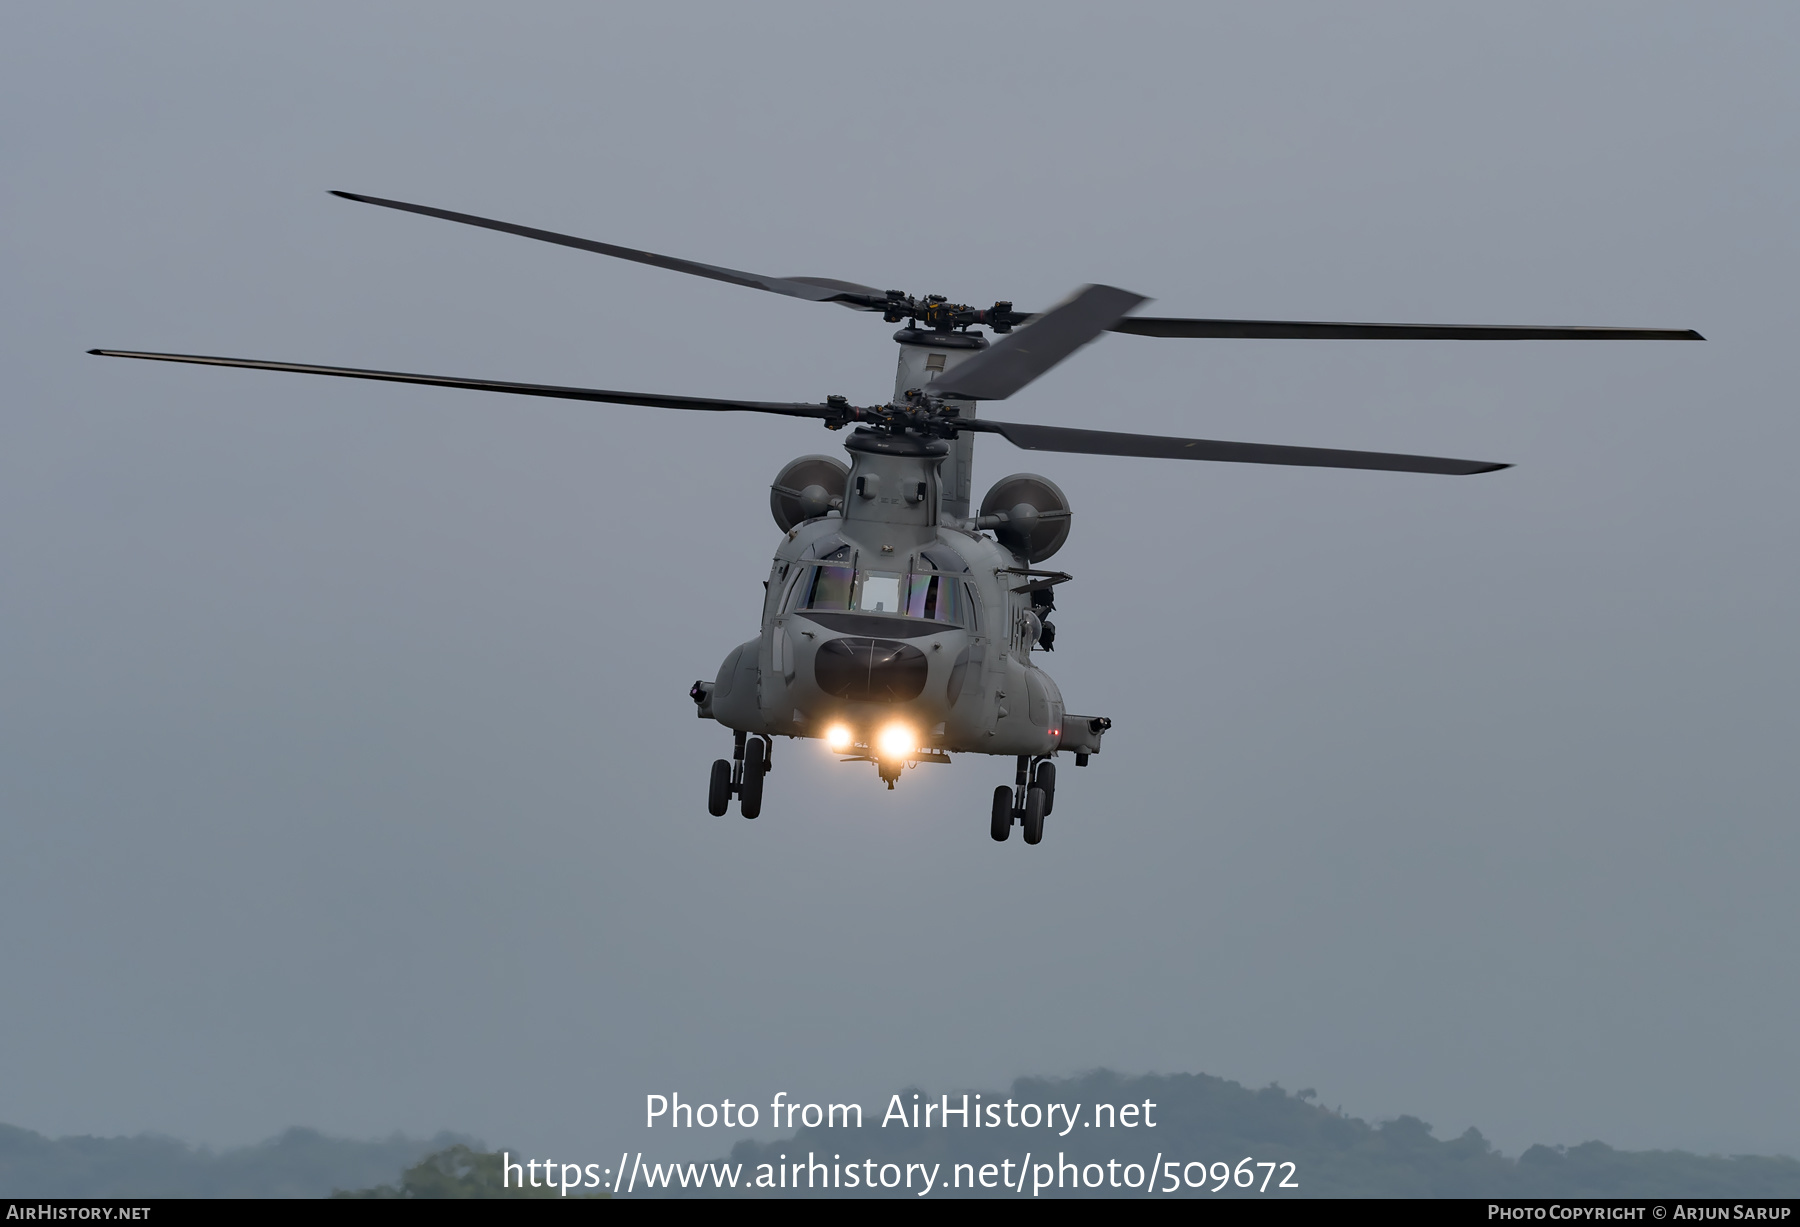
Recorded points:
(838, 738)
(897, 742)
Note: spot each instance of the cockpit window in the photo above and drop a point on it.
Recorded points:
(878, 592)
(937, 598)
(942, 558)
(824, 588)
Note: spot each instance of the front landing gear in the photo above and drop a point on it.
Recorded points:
(718, 794)
(1027, 802)
(742, 777)
(756, 765)
(1033, 817)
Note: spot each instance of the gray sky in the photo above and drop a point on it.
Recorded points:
(347, 774)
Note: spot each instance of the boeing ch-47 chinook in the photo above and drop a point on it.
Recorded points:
(900, 620)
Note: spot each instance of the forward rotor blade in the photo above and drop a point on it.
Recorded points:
(793, 409)
(1020, 357)
(813, 289)
(1152, 326)
(1165, 447)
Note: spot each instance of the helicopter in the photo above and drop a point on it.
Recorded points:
(900, 620)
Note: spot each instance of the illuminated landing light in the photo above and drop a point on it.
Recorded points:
(897, 742)
(839, 738)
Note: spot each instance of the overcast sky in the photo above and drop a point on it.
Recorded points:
(347, 773)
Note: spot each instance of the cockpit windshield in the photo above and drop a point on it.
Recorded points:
(938, 597)
(921, 594)
(877, 592)
(824, 588)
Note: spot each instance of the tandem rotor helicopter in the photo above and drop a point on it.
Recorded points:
(900, 620)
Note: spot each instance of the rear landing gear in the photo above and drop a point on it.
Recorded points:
(1001, 825)
(742, 777)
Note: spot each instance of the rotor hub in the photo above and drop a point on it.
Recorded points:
(935, 313)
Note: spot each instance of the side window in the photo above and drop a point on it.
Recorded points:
(796, 578)
(973, 606)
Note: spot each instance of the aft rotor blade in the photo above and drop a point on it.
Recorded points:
(1164, 447)
(1020, 357)
(813, 289)
(1153, 326)
(652, 400)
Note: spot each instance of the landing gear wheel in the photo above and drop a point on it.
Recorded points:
(1046, 780)
(1001, 826)
(750, 791)
(1034, 815)
(718, 793)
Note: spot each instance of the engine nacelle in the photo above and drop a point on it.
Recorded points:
(1030, 514)
(806, 489)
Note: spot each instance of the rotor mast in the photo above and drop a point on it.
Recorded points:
(925, 356)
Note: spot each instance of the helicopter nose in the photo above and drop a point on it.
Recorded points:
(870, 670)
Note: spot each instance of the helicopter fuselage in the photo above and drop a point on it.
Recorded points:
(892, 627)
(882, 615)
